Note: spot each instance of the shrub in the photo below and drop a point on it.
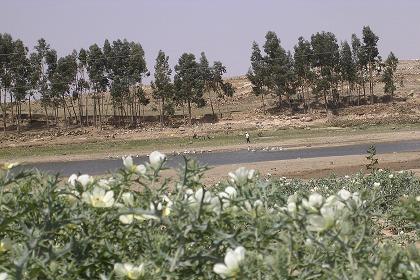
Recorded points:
(137, 224)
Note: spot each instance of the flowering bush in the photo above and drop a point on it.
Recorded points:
(138, 224)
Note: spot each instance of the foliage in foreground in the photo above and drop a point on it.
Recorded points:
(138, 225)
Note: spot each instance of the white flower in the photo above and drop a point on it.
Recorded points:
(291, 204)
(126, 219)
(199, 196)
(314, 203)
(153, 209)
(356, 199)
(390, 176)
(5, 245)
(231, 267)
(10, 165)
(129, 270)
(330, 211)
(228, 194)
(72, 179)
(4, 276)
(167, 208)
(418, 198)
(84, 180)
(242, 175)
(99, 198)
(130, 166)
(156, 159)
(291, 207)
(376, 184)
(344, 194)
(128, 199)
(140, 169)
(322, 222)
(231, 191)
(72, 198)
(128, 163)
(249, 207)
(309, 242)
(104, 183)
(215, 205)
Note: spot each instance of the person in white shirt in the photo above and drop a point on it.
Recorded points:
(247, 137)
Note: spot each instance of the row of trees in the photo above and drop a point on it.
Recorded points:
(91, 77)
(321, 69)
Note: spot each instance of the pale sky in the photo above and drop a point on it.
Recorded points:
(224, 29)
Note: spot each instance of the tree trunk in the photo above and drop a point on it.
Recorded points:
(17, 117)
(74, 111)
(101, 110)
(56, 115)
(162, 112)
(219, 109)
(189, 112)
(106, 110)
(325, 101)
(183, 110)
(4, 111)
(114, 112)
(139, 113)
(46, 116)
(86, 109)
(263, 103)
(30, 109)
(211, 105)
(65, 113)
(371, 83)
(11, 107)
(79, 105)
(94, 111)
(280, 101)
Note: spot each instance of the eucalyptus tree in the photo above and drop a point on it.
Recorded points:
(82, 84)
(126, 68)
(53, 95)
(162, 86)
(136, 72)
(63, 80)
(304, 74)
(35, 74)
(189, 83)
(7, 51)
(207, 76)
(221, 87)
(291, 79)
(258, 73)
(359, 61)
(371, 54)
(43, 65)
(21, 78)
(388, 75)
(276, 62)
(143, 101)
(326, 63)
(347, 67)
(96, 70)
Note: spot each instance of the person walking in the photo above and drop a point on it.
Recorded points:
(247, 137)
